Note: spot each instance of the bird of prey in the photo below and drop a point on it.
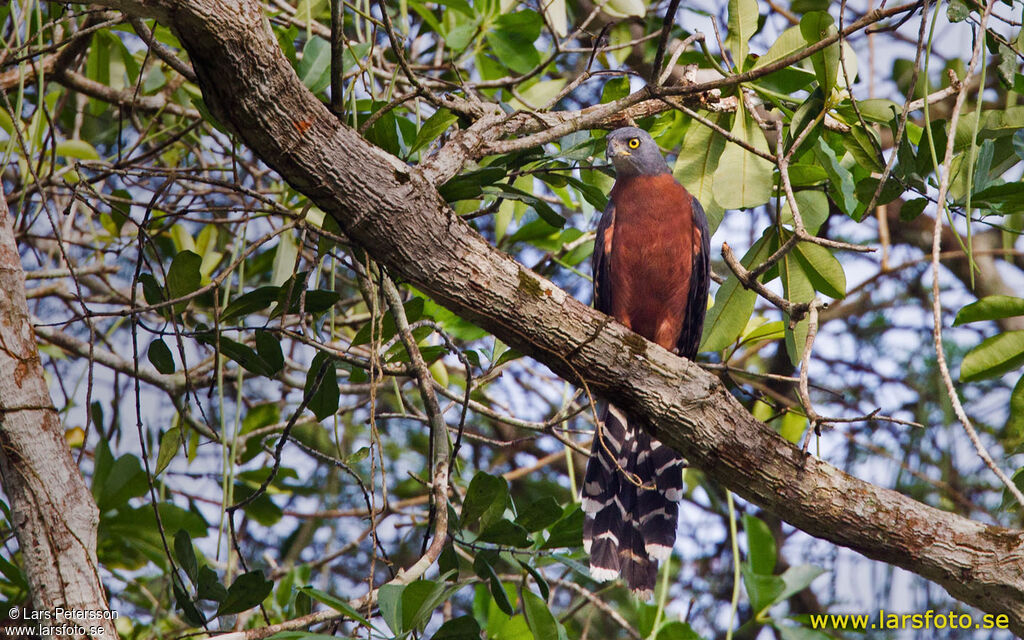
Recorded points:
(651, 274)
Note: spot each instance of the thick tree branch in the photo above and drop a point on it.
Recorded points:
(397, 215)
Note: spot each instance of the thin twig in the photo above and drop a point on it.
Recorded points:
(668, 21)
(940, 354)
(814, 420)
(161, 51)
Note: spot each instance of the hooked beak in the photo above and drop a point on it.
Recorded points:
(616, 149)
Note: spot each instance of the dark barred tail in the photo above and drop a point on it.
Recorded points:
(629, 528)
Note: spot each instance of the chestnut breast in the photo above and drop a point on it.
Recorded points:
(652, 255)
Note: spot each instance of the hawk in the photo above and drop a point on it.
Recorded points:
(651, 273)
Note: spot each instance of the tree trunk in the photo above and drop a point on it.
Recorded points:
(54, 515)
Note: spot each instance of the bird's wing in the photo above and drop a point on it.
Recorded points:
(601, 261)
(700, 276)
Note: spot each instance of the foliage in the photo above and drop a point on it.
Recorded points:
(243, 395)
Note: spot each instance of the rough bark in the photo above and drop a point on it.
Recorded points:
(396, 214)
(54, 515)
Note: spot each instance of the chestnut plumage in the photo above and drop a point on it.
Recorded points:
(651, 273)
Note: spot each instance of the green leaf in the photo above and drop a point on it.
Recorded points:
(434, 126)
(240, 353)
(486, 494)
(512, 40)
(186, 555)
(1015, 415)
(1018, 143)
(1008, 197)
(542, 584)
(625, 8)
(247, 591)
(507, 533)
(386, 329)
(762, 590)
(676, 630)
(97, 67)
(352, 54)
(256, 300)
(990, 308)
(768, 331)
(183, 277)
(470, 184)
(120, 480)
(798, 578)
(268, 347)
(285, 257)
(152, 291)
(815, 27)
(188, 608)
(804, 175)
(389, 600)
(808, 114)
(1008, 498)
(170, 443)
(841, 184)
(294, 298)
(821, 268)
(14, 575)
(789, 80)
(797, 288)
(760, 545)
(209, 587)
(568, 531)
(78, 149)
(743, 17)
(323, 396)
(1007, 67)
(543, 209)
(129, 537)
(337, 604)
(879, 109)
(538, 94)
(995, 356)
(859, 144)
(865, 190)
(315, 66)
(695, 169)
(538, 617)
(419, 599)
(789, 42)
(912, 208)
(482, 567)
(615, 89)
(460, 628)
(957, 11)
(448, 561)
(160, 357)
(743, 180)
(733, 304)
(803, 6)
(793, 426)
(813, 206)
(539, 514)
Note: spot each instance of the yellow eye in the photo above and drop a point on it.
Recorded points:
(634, 143)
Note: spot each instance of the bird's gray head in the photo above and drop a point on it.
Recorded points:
(635, 153)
